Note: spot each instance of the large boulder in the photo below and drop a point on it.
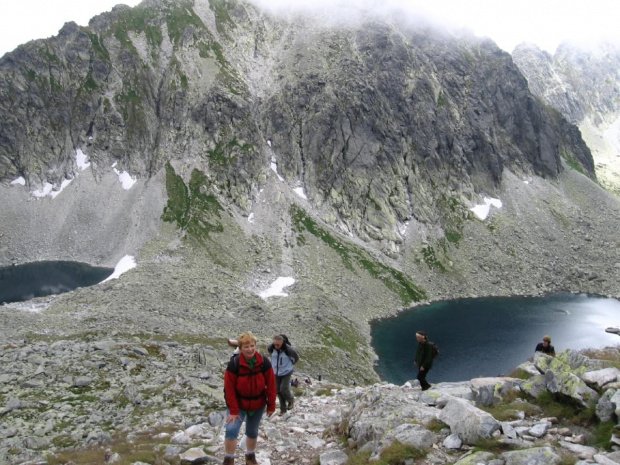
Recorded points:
(535, 386)
(605, 408)
(599, 378)
(381, 410)
(490, 391)
(566, 361)
(572, 386)
(468, 421)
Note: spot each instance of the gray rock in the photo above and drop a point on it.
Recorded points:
(333, 457)
(572, 386)
(452, 442)
(534, 456)
(600, 378)
(82, 381)
(489, 391)
(539, 430)
(469, 422)
(583, 452)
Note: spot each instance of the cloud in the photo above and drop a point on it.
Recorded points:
(544, 23)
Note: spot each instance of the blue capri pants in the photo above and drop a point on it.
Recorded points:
(251, 424)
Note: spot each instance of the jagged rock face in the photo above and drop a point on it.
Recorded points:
(575, 81)
(583, 84)
(381, 121)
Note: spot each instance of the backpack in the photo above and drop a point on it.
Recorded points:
(286, 341)
(434, 349)
(233, 367)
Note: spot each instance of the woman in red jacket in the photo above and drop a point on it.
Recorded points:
(250, 388)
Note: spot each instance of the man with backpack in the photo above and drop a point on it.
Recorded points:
(283, 357)
(423, 358)
(249, 389)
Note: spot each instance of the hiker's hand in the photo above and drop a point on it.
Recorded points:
(415, 363)
(232, 418)
(421, 368)
(270, 413)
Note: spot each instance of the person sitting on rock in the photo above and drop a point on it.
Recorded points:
(545, 346)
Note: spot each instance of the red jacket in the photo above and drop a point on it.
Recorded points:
(250, 390)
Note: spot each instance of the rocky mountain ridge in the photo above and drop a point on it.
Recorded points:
(581, 82)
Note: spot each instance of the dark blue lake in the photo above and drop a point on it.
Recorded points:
(38, 279)
(491, 336)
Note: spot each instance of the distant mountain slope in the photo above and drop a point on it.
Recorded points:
(378, 120)
(584, 85)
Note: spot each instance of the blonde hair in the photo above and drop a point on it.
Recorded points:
(246, 338)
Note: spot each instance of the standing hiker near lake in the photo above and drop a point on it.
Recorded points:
(423, 358)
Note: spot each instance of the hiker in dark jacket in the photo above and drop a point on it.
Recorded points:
(423, 359)
(283, 357)
(545, 347)
(249, 388)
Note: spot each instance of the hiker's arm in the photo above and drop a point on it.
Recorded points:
(270, 383)
(293, 354)
(230, 392)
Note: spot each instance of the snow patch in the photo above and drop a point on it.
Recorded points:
(274, 168)
(82, 160)
(300, 192)
(21, 181)
(45, 190)
(63, 184)
(124, 264)
(277, 287)
(251, 217)
(127, 181)
(482, 211)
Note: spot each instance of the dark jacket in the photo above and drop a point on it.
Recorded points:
(283, 360)
(550, 350)
(424, 355)
(250, 390)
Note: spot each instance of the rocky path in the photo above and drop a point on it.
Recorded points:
(161, 403)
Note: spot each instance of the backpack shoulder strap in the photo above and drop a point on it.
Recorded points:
(233, 364)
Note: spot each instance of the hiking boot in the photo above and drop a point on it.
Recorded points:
(290, 405)
(426, 388)
(250, 459)
(228, 461)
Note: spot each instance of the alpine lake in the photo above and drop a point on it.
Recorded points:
(37, 279)
(486, 337)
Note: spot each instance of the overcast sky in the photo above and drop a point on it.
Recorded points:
(543, 22)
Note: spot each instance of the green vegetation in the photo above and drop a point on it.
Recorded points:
(441, 100)
(224, 154)
(393, 279)
(143, 448)
(222, 18)
(193, 210)
(561, 218)
(395, 454)
(138, 20)
(181, 17)
(97, 45)
(341, 334)
(431, 259)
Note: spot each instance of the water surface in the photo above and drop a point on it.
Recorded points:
(491, 336)
(38, 279)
